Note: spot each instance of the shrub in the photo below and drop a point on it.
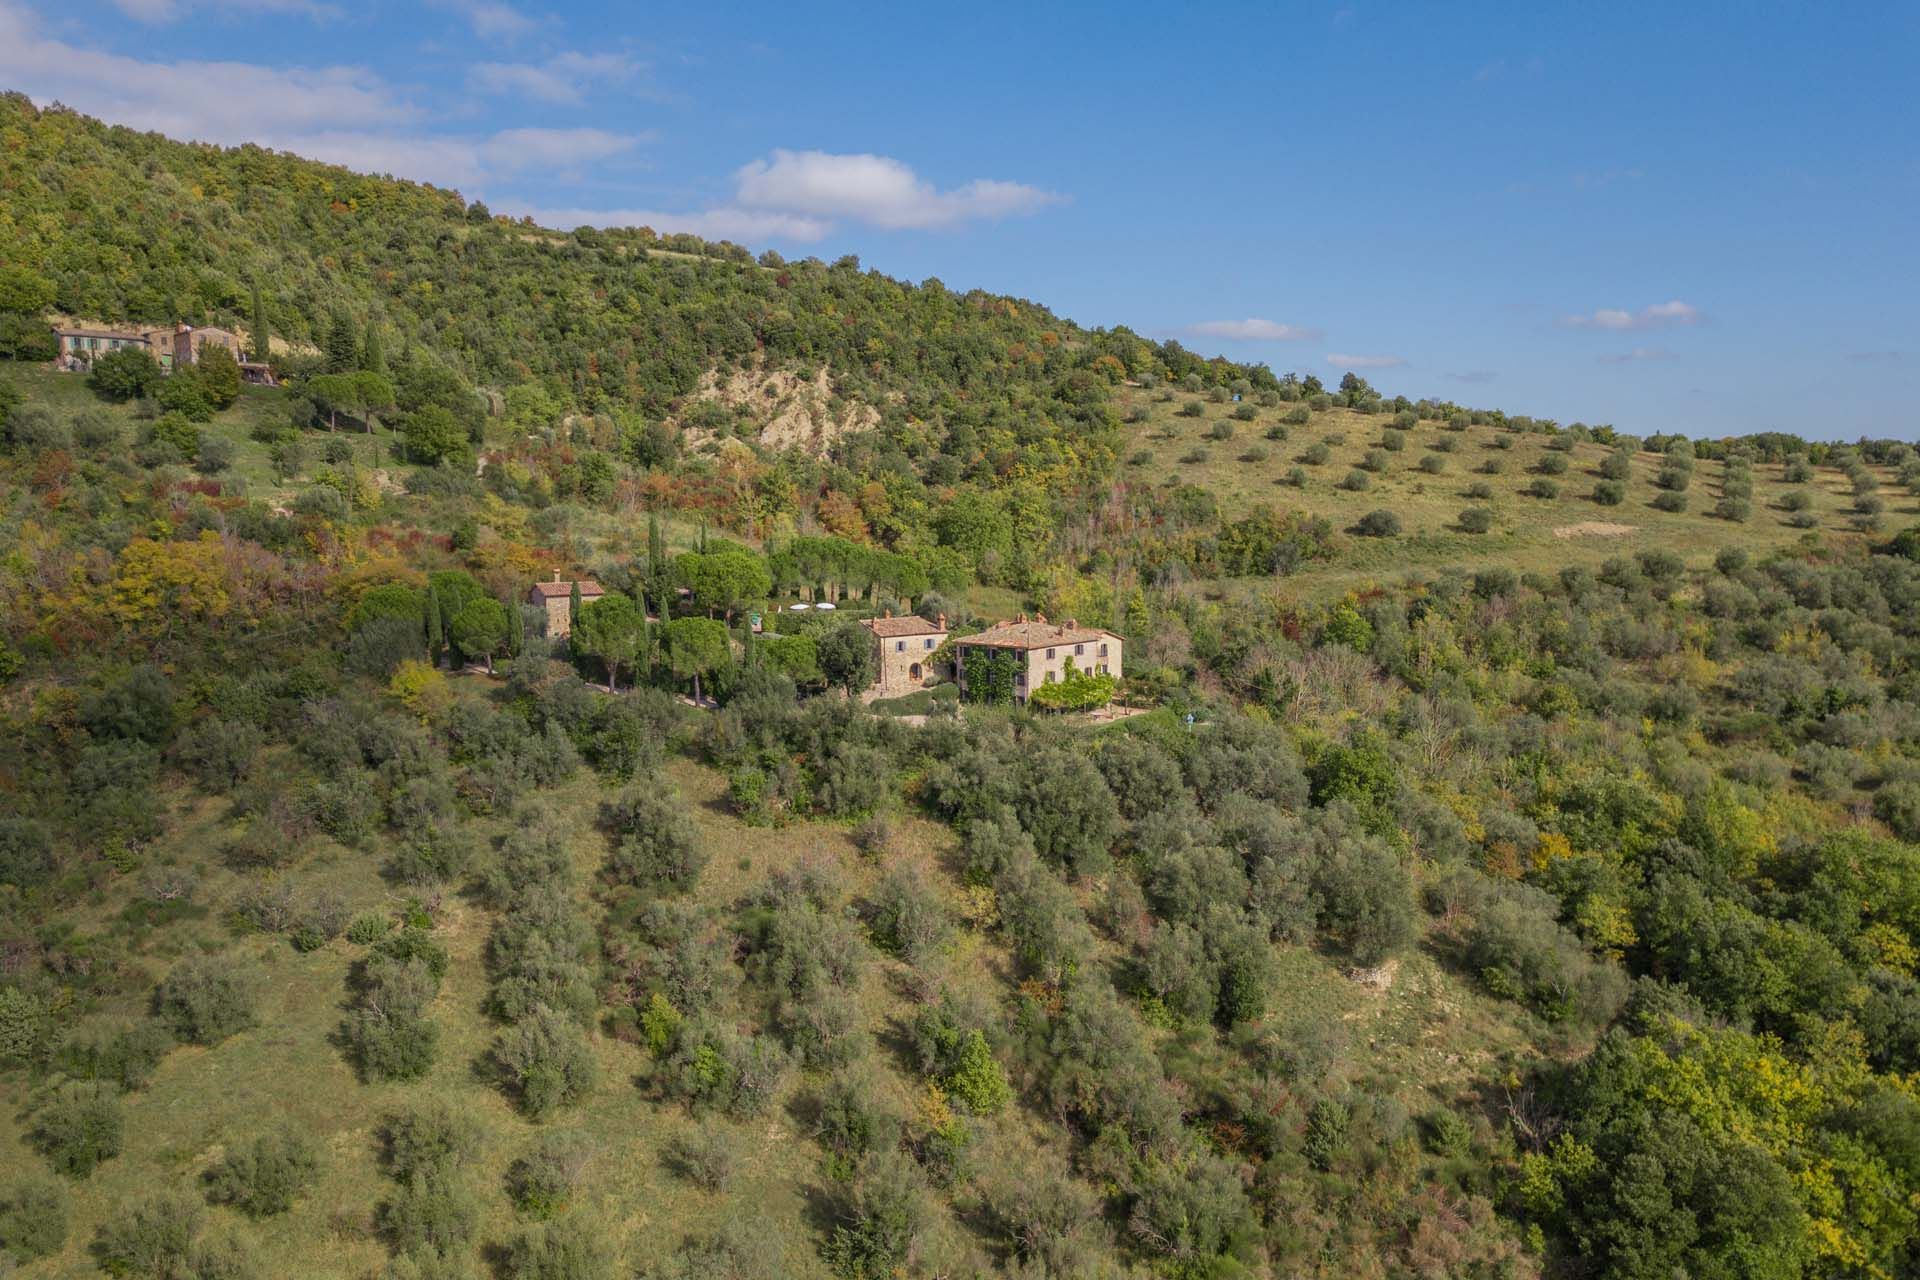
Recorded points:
(1480, 491)
(706, 1157)
(1616, 466)
(205, 999)
(1193, 457)
(33, 1219)
(1551, 464)
(570, 1249)
(1356, 482)
(1374, 460)
(430, 1138)
(1670, 501)
(1316, 455)
(1543, 488)
(266, 1176)
(541, 1182)
(878, 1221)
(1253, 454)
(1296, 477)
(909, 919)
(1476, 520)
(214, 455)
(1378, 524)
(544, 1063)
(1609, 493)
(433, 1213)
(1296, 416)
(1738, 510)
(80, 1127)
(1433, 464)
(124, 1055)
(1191, 409)
(153, 1238)
(1220, 430)
(1393, 441)
(658, 847)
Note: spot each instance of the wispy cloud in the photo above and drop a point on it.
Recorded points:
(877, 190)
(1876, 357)
(1661, 315)
(490, 19)
(162, 12)
(1636, 355)
(562, 80)
(1252, 330)
(1586, 180)
(1473, 375)
(1341, 360)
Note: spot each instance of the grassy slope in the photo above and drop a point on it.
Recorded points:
(1428, 1035)
(1522, 537)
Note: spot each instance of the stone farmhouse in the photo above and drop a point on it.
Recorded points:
(172, 347)
(903, 651)
(556, 598)
(1042, 650)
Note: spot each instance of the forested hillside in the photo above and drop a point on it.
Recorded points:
(1507, 864)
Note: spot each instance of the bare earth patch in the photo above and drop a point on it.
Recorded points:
(1595, 529)
(792, 412)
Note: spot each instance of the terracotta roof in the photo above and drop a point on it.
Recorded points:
(550, 590)
(1035, 633)
(911, 625)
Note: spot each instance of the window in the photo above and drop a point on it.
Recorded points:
(1049, 653)
(1020, 677)
(1079, 649)
(900, 646)
(929, 642)
(1103, 651)
(1048, 679)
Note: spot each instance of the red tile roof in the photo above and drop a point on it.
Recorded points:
(1035, 633)
(910, 625)
(550, 590)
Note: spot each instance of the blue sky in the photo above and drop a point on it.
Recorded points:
(1697, 218)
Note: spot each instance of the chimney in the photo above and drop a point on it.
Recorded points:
(556, 575)
(887, 614)
(941, 622)
(1039, 617)
(1021, 618)
(1072, 625)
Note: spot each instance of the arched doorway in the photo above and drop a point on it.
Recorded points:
(913, 672)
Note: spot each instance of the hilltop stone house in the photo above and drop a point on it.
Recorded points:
(556, 598)
(171, 346)
(1040, 650)
(903, 651)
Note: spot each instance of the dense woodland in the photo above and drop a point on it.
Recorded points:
(1544, 919)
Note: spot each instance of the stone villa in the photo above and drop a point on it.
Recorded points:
(1042, 650)
(903, 650)
(171, 346)
(556, 598)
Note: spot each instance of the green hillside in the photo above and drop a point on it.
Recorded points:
(1503, 861)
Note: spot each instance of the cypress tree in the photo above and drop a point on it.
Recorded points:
(703, 535)
(516, 629)
(573, 604)
(373, 356)
(343, 348)
(436, 632)
(656, 547)
(262, 338)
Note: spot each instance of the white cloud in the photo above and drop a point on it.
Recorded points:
(1661, 315)
(877, 190)
(515, 149)
(561, 80)
(1636, 355)
(1344, 361)
(489, 19)
(161, 12)
(1253, 330)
